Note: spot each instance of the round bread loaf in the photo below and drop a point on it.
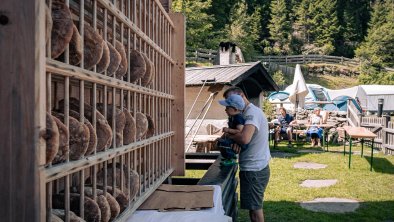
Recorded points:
(75, 47)
(92, 133)
(115, 59)
(148, 74)
(122, 69)
(138, 65)
(134, 184)
(120, 121)
(113, 204)
(120, 197)
(55, 218)
(105, 59)
(48, 23)
(104, 208)
(142, 125)
(93, 47)
(62, 29)
(129, 130)
(61, 212)
(91, 209)
(79, 137)
(103, 129)
(151, 126)
(64, 147)
(52, 138)
(152, 73)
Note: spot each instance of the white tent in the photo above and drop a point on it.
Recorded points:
(375, 92)
(368, 96)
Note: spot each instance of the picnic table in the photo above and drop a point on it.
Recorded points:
(358, 133)
(205, 143)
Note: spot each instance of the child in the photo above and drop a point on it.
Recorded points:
(234, 105)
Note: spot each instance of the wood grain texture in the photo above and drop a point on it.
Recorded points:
(23, 110)
(178, 89)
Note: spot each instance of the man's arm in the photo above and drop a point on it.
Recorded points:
(233, 131)
(244, 136)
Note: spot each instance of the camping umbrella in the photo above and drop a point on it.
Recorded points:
(299, 89)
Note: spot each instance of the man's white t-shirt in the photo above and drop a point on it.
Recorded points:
(257, 155)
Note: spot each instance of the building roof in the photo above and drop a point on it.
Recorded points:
(250, 76)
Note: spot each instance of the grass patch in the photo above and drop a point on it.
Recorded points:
(375, 190)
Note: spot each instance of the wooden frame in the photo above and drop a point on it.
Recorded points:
(143, 25)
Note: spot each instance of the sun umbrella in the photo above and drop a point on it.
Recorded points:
(299, 89)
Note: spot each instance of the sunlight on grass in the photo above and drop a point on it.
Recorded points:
(375, 190)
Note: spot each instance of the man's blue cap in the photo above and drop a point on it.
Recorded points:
(233, 100)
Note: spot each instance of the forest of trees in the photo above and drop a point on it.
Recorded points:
(349, 28)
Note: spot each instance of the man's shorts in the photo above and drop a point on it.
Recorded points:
(283, 130)
(253, 184)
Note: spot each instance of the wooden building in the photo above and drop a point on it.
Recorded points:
(207, 84)
(107, 69)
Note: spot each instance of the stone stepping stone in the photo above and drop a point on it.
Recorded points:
(310, 151)
(307, 165)
(331, 205)
(318, 183)
(283, 154)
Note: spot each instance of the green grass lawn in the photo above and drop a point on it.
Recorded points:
(375, 190)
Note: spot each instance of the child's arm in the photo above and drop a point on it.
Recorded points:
(233, 131)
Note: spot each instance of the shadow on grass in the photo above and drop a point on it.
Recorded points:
(292, 211)
(282, 150)
(381, 165)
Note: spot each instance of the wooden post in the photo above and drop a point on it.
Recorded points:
(384, 133)
(178, 89)
(22, 95)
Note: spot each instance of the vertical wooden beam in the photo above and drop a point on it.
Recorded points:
(166, 4)
(178, 89)
(22, 95)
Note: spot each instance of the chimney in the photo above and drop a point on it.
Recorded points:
(229, 53)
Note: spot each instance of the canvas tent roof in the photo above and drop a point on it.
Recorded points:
(251, 77)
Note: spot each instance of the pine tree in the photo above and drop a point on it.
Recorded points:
(326, 25)
(279, 26)
(198, 23)
(244, 29)
(377, 51)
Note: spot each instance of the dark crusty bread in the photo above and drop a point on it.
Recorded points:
(92, 211)
(64, 147)
(92, 133)
(75, 47)
(120, 197)
(138, 65)
(105, 59)
(115, 59)
(113, 204)
(120, 121)
(52, 138)
(93, 47)
(122, 69)
(142, 125)
(134, 184)
(79, 137)
(146, 79)
(104, 208)
(103, 129)
(151, 126)
(61, 214)
(129, 130)
(62, 29)
(55, 218)
(48, 23)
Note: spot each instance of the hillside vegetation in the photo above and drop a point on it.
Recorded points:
(349, 28)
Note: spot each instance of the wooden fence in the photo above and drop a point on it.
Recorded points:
(305, 59)
(201, 55)
(382, 127)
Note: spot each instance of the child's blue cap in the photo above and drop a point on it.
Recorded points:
(233, 100)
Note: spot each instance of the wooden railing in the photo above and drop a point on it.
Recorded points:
(201, 55)
(304, 59)
(353, 114)
(384, 129)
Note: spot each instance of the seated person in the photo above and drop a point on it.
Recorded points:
(285, 120)
(314, 131)
(234, 105)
